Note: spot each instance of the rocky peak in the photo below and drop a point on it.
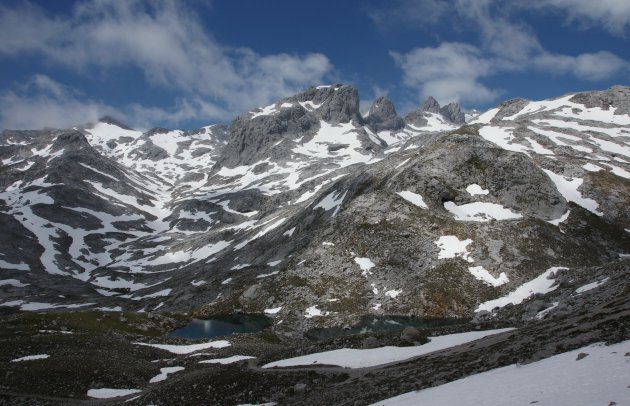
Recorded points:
(617, 97)
(453, 113)
(72, 139)
(383, 116)
(333, 104)
(430, 105)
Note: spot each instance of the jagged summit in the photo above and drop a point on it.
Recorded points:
(451, 112)
(383, 116)
(430, 105)
(301, 127)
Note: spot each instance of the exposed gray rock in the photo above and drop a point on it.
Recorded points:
(383, 116)
(430, 105)
(453, 113)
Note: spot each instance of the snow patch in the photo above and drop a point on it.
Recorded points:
(164, 373)
(274, 310)
(591, 286)
(568, 187)
(452, 247)
(228, 360)
(31, 358)
(561, 380)
(481, 212)
(541, 284)
(355, 358)
(413, 198)
(106, 393)
(480, 273)
(187, 349)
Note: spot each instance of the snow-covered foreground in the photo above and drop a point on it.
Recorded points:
(599, 378)
(353, 358)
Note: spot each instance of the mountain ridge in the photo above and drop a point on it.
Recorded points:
(240, 217)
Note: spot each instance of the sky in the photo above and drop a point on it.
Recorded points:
(186, 64)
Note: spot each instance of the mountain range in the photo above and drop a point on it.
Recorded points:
(316, 215)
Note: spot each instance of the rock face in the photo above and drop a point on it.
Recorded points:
(307, 210)
(383, 116)
(451, 112)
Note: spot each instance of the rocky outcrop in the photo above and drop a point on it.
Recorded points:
(451, 112)
(383, 116)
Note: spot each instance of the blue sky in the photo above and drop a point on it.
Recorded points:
(184, 64)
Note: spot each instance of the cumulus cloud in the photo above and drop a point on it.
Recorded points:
(449, 72)
(167, 43)
(590, 66)
(612, 15)
(456, 71)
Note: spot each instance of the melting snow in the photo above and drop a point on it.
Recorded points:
(474, 189)
(568, 187)
(480, 211)
(355, 358)
(365, 264)
(591, 286)
(228, 360)
(13, 282)
(20, 267)
(313, 311)
(106, 393)
(266, 275)
(486, 117)
(265, 111)
(592, 168)
(413, 198)
(274, 310)
(164, 373)
(452, 247)
(480, 273)
(187, 349)
(331, 201)
(502, 137)
(31, 358)
(393, 293)
(541, 284)
(562, 219)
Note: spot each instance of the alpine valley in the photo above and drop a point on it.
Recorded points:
(395, 254)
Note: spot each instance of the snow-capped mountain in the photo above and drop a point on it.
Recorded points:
(309, 211)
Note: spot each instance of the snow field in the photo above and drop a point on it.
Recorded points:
(597, 377)
(355, 358)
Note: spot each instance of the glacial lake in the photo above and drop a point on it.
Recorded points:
(222, 326)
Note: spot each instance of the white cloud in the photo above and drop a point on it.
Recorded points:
(449, 72)
(42, 102)
(454, 71)
(167, 43)
(590, 66)
(613, 15)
